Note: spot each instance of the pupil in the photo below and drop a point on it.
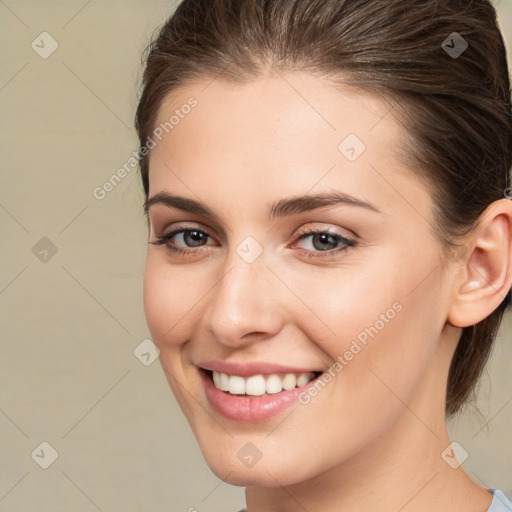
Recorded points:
(196, 236)
(324, 238)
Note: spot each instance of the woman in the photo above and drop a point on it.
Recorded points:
(329, 253)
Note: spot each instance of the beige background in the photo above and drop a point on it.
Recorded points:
(69, 376)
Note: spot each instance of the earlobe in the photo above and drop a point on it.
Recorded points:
(486, 276)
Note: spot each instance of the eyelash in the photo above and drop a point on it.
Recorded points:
(347, 243)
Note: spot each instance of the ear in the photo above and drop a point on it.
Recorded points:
(485, 275)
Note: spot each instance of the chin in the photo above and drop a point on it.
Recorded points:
(233, 464)
(259, 475)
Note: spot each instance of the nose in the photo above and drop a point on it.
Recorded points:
(244, 305)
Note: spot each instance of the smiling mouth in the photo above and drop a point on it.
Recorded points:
(259, 385)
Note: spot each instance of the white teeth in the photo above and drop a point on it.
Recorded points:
(255, 385)
(216, 379)
(236, 385)
(274, 384)
(289, 381)
(258, 385)
(223, 382)
(302, 379)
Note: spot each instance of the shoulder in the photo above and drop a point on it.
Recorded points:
(500, 502)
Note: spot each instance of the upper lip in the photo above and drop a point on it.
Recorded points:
(249, 368)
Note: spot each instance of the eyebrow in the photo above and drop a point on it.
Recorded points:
(282, 208)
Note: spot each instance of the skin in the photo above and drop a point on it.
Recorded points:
(373, 437)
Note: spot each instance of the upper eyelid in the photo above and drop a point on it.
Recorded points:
(330, 230)
(184, 227)
(200, 227)
(156, 220)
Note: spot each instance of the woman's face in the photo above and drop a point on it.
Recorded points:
(254, 292)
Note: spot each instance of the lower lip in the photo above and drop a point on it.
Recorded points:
(250, 409)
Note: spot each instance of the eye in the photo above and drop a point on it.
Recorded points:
(190, 238)
(325, 243)
(322, 243)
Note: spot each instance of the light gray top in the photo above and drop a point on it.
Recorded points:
(500, 503)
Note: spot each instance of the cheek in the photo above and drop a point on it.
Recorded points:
(381, 324)
(344, 304)
(169, 298)
(171, 295)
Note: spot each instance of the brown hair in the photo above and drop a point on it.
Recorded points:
(455, 109)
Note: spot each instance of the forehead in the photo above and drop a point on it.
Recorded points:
(289, 106)
(295, 131)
